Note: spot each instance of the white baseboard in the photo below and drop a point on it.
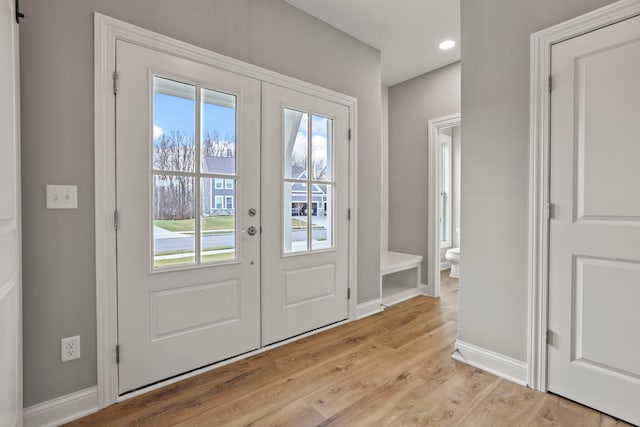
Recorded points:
(445, 265)
(62, 409)
(368, 308)
(495, 363)
(424, 290)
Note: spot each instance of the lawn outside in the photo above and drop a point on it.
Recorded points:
(216, 224)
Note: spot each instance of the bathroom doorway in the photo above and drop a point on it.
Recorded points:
(443, 197)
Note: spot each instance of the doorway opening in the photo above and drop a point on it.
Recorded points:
(442, 236)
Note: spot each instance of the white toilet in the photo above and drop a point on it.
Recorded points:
(453, 256)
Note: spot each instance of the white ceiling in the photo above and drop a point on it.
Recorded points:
(407, 32)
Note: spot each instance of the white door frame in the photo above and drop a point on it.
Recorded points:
(433, 200)
(539, 161)
(11, 349)
(106, 31)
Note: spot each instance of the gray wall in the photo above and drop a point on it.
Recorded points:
(495, 165)
(56, 41)
(411, 105)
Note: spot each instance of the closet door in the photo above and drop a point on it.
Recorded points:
(594, 250)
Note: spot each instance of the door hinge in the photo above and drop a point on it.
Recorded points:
(116, 219)
(349, 134)
(550, 211)
(349, 214)
(117, 353)
(550, 83)
(116, 86)
(348, 293)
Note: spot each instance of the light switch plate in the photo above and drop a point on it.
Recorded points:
(62, 197)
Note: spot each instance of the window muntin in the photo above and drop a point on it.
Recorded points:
(189, 123)
(308, 185)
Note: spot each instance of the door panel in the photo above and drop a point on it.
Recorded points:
(305, 182)
(187, 135)
(10, 239)
(594, 265)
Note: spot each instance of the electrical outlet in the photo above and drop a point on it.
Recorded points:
(70, 348)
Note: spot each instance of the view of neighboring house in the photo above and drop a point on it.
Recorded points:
(219, 193)
(299, 204)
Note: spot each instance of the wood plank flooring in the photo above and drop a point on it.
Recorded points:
(390, 369)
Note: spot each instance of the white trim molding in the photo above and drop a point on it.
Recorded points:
(369, 308)
(62, 409)
(492, 362)
(433, 240)
(106, 32)
(540, 51)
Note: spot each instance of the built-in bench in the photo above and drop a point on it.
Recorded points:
(400, 277)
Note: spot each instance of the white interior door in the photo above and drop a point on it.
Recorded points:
(594, 265)
(10, 246)
(305, 200)
(188, 244)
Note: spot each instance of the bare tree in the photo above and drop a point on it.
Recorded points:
(174, 194)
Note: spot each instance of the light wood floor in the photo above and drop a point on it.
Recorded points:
(390, 369)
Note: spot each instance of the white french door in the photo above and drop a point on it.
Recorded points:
(232, 199)
(305, 201)
(594, 253)
(10, 244)
(188, 244)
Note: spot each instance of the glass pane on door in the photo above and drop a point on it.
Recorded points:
(173, 220)
(321, 148)
(308, 187)
(218, 149)
(218, 220)
(296, 217)
(296, 147)
(322, 217)
(174, 123)
(204, 188)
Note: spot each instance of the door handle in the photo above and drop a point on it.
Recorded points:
(251, 231)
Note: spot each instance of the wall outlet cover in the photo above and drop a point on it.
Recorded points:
(70, 348)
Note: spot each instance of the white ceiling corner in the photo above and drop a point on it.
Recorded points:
(407, 32)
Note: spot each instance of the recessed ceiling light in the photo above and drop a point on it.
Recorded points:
(447, 44)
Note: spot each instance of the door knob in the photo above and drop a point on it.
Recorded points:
(251, 231)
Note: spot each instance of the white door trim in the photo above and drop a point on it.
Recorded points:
(11, 334)
(106, 31)
(433, 227)
(540, 50)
